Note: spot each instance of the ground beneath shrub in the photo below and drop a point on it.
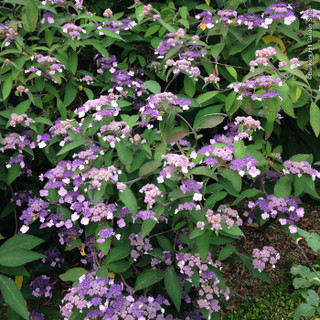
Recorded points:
(239, 278)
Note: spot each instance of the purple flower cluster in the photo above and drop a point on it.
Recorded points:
(300, 168)
(109, 101)
(209, 290)
(141, 245)
(315, 14)
(53, 256)
(226, 15)
(103, 298)
(277, 11)
(15, 141)
(33, 315)
(51, 65)
(264, 256)
(252, 86)
(161, 103)
(41, 286)
(285, 208)
(247, 162)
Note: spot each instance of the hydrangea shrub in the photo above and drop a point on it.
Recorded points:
(131, 142)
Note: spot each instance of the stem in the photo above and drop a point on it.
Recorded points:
(160, 233)
(16, 223)
(169, 83)
(137, 179)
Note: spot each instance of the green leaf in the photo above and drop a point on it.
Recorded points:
(6, 87)
(19, 257)
(196, 233)
(118, 253)
(151, 30)
(118, 266)
(203, 244)
(226, 252)
(73, 61)
(164, 243)
(13, 172)
(175, 134)
(147, 226)
(305, 310)
(217, 196)
(70, 94)
(256, 274)
(22, 241)
(249, 193)
(173, 286)
(315, 118)
(73, 274)
(125, 154)
(70, 146)
(189, 86)
(282, 188)
(30, 16)
(206, 96)
(147, 278)
(13, 296)
(270, 107)
(210, 120)
(149, 167)
(233, 177)
(129, 200)
(216, 49)
(153, 86)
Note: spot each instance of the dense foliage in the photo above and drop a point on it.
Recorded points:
(132, 139)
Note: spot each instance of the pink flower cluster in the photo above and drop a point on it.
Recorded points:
(151, 192)
(300, 168)
(20, 119)
(264, 256)
(72, 30)
(174, 162)
(224, 216)
(264, 56)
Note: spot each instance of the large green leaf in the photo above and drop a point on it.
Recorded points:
(13, 296)
(19, 257)
(118, 253)
(173, 286)
(129, 200)
(70, 146)
(147, 278)
(315, 118)
(22, 241)
(73, 274)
